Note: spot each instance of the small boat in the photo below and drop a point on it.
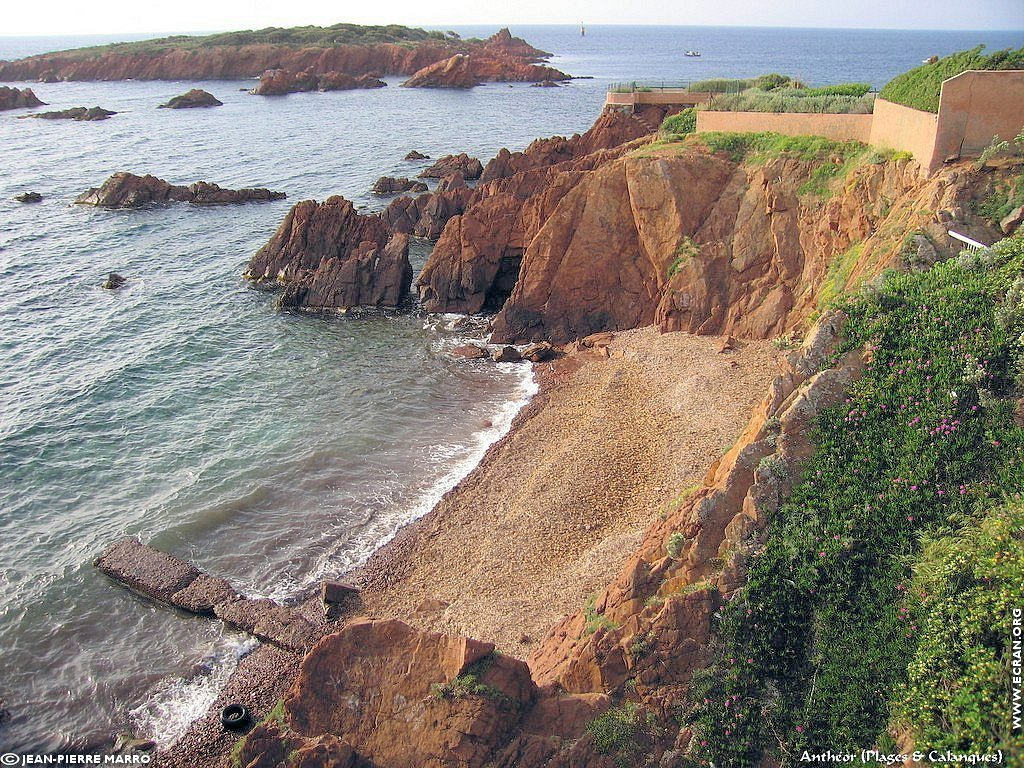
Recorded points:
(692, 53)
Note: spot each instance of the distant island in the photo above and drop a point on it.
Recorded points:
(348, 49)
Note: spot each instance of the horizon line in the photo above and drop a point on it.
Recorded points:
(449, 25)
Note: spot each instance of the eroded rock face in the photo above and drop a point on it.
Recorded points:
(126, 190)
(455, 72)
(394, 693)
(196, 97)
(18, 98)
(80, 114)
(278, 82)
(476, 261)
(330, 257)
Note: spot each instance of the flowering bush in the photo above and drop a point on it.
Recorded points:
(809, 654)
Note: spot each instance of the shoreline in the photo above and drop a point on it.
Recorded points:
(447, 551)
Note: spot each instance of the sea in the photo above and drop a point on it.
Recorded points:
(276, 449)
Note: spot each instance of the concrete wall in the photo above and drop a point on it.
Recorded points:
(974, 107)
(908, 130)
(667, 97)
(835, 127)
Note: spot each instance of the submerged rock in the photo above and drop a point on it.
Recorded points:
(18, 98)
(328, 256)
(196, 97)
(390, 185)
(81, 114)
(414, 155)
(470, 352)
(462, 165)
(126, 190)
(278, 82)
(114, 281)
(29, 197)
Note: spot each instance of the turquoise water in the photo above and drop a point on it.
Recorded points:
(272, 448)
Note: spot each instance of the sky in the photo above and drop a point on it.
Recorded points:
(74, 17)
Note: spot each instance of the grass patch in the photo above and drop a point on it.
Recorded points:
(621, 731)
(792, 100)
(685, 250)
(680, 124)
(469, 684)
(762, 146)
(595, 620)
(837, 275)
(920, 87)
(822, 645)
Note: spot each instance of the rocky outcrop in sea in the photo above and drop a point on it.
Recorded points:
(193, 98)
(126, 190)
(18, 98)
(80, 114)
(327, 256)
(279, 82)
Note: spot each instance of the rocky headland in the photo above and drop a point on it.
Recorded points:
(196, 97)
(332, 56)
(18, 98)
(126, 190)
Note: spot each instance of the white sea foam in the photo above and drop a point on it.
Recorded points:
(176, 702)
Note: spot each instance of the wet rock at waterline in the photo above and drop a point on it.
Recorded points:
(29, 197)
(196, 97)
(390, 185)
(80, 114)
(126, 190)
(114, 281)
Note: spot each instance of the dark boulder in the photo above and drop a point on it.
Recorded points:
(114, 281)
(196, 97)
(414, 155)
(29, 197)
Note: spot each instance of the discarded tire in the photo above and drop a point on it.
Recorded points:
(235, 717)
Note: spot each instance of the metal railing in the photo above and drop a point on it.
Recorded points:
(970, 245)
(635, 86)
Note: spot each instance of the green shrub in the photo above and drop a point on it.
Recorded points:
(468, 684)
(1006, 196)
(675, 544)
(620, 732)
(595, 620)
(920, 87)
(810, 652)
(964, 587)
(681, 123)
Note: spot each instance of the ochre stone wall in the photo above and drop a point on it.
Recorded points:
(836, 127)
(976, 106)
(903, 128)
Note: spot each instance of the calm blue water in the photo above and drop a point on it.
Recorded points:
(272, 448)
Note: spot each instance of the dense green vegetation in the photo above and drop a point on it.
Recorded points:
(757, 147)
(919, 88)
(680, 124)
(957, 695)
(877, 599)
(794, 100)
(295, 37)
(1007, 195)
(763, 83)
(621, 732)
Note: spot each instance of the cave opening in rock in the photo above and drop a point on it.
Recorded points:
(504, 281)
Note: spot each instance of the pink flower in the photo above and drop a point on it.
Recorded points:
(799, 729)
